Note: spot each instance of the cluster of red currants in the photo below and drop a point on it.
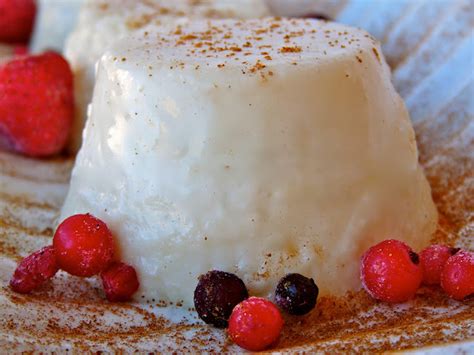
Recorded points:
(392, 272)
(82, 246)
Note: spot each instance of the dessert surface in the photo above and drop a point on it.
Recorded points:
(102, 22)
(257, 147)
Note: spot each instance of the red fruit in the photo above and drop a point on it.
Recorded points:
(34, 270)
(83, 245)
(120, 282)
(390, 271)
(432, 261)
(457, 278)
(20, 50)
(17, 18)
(36, 104)
(255, 324)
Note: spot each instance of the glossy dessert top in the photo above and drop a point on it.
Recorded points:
(250, 45)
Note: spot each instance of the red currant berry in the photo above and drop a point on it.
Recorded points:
(255, 324)
(34, 270)
(432, 261)
(83, 245)
(457, 278)
(120, 282)
(390, 271)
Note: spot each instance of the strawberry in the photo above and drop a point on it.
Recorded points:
(36, 104)
(17, 18)
(20, 50)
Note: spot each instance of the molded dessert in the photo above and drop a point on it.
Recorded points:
(258, 147)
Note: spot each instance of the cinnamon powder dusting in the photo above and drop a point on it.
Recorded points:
(376, 53)
(244, 45)
(294, 49)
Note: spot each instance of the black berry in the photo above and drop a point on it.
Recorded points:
(296, 294)
(216, 295)
(317, 16)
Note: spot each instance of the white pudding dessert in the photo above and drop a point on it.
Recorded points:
(258, 147)
(103, 22)
(54, 21)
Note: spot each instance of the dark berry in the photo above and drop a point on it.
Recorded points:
(83, 245)
(457, 278)
(34, 270)
(432, 261)
(296, 294)
(317, 16)
(216, 295)
(390, 271)
(120, 282)
(255, 324)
